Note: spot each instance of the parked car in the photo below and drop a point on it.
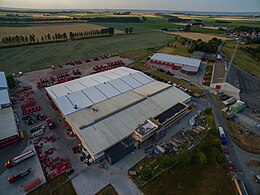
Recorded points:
(257, 178)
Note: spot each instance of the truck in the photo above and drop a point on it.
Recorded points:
(50, 123)
(20, 158)
(12, 178)
(37, 133)
(222, 136)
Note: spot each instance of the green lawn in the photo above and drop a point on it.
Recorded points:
(179, 50)
(28, 58)
(108, 190)
(58, 185)
(242, 59)
(195, 179)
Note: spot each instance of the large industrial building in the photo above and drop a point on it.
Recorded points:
(104, 109)
(187, 65)
(8, 128)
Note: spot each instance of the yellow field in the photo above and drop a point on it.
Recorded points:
(42, 30)
(196, 36)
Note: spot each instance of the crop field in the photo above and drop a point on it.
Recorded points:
(41, 30)
(28, 58)
(196, 36)
(242, 59)
(233, 21)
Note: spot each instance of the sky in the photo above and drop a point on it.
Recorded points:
(174, 5)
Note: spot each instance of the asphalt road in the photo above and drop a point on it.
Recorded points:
(234, 151)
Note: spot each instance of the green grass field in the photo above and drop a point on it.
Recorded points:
(180, 49)
(28, 58)
(108, 190)
(242, 59)
(58, 185)
(194, 179)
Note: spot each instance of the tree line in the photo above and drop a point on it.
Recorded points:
(92, 19)
(32, 39)
(209, 47)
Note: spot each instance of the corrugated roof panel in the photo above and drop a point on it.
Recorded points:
(74, 86)
(176, 59)
(111, 75)
(4, 97)
(65, 105)
(99, 78)
(120, 85)
(88, 81)
(141, 78)
(3, 82)
(123, 71)
(80, 99)
(107, 90)
(94, 94)
(131, 81)
(60, 90)
(8, 125)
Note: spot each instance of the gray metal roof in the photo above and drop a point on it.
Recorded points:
(89, 90)
(3, 82)
(176, 59)
(103, 130)
(4, 97)
(8, 126)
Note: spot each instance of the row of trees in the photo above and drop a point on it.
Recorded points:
(32, 39)
(210, 47)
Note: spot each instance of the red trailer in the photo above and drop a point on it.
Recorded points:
(31, 185)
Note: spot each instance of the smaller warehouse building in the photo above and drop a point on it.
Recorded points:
(8, 128)
(187, 65)
(237, 107)
(218, 83)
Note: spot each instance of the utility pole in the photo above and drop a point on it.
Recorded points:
(229, 66)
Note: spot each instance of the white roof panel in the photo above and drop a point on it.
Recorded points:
(108, 90)
(120, 85)
(94, 94)
(176, 59)
(58, 91)
(4, 97)
(100, 78)
(8, 125)
(141, 77)
(3, 82)
(65, 105)
(131, 81)
(111, 75)
(80, 99)
(74, 86)
(88, 81)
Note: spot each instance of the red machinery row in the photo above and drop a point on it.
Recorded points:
(23, 95)
(108, 66)
(28, 110)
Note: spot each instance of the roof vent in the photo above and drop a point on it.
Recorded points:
(75, 107)
(104, 82)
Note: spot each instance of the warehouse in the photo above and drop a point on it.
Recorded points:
(8, 128)
(187, 65)
(219, 83)
(104, 108)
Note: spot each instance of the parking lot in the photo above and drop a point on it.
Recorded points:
(56, 146)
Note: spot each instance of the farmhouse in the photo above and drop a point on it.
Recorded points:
(8, 128)
(104, 109)
(187, 65)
